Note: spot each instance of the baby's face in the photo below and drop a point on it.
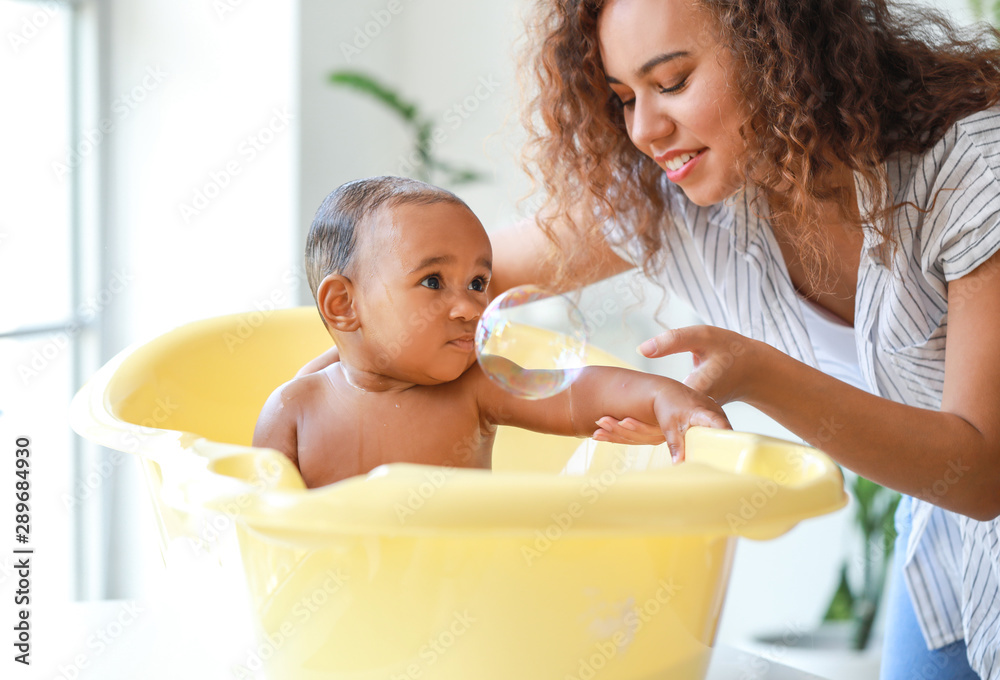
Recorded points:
(421, 289)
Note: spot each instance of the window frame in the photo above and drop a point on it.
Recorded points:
(86, 72)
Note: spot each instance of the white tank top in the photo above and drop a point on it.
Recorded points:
(833, 343)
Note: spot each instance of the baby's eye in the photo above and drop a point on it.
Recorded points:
(478, 284)
(433, 282)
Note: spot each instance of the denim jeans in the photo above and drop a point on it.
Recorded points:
(904, 653)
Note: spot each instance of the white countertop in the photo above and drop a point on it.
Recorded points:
(132, 640)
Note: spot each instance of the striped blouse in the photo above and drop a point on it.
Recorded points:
(724, 261)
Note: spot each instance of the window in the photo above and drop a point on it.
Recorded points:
(47, 334)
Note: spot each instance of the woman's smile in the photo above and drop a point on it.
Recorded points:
(679, 166)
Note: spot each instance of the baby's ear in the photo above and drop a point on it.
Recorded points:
(335, 299)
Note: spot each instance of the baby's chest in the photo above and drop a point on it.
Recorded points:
(449, 435)
(357, 440)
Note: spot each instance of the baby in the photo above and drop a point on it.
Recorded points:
(400, 270)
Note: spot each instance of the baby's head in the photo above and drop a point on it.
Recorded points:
(399, 270)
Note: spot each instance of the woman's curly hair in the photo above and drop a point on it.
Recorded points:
(857, 79)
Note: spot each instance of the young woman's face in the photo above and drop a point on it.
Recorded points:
(663, 61)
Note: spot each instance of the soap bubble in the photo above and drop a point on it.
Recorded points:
(531, 342)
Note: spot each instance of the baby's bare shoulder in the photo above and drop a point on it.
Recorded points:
(280, 418)
(304, 388)
(299, 395)
(468, 385)
(476, 388)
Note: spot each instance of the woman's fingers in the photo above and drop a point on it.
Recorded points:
(615, 437)
(668, 342)
(645, 429)
(627, 431)
(725, 363)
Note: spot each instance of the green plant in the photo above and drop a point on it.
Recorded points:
(427, 165)
(874, 516)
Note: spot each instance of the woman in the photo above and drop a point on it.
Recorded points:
(819, 179)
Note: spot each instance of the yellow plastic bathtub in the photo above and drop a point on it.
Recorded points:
(607, 562)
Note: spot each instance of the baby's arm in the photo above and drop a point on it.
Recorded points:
(607, 391)
(277, 425)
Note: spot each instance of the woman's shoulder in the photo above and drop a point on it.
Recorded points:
(974, 138)
(981, 131)
(985, 123)
(969, 148)
(956, 184)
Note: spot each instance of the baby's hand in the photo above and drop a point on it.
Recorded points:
(677, 408)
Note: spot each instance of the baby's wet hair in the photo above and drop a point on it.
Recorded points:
(332, 240)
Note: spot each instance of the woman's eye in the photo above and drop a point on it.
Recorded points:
(432, 282)
(675, 88)
(478, 284)
(623, 102)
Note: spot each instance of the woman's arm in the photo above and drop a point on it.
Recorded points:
(950, 458)
(520, 256)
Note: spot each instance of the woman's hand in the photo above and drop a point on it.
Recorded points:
(724, 369)
(676, 408)
(627, 431)
(724, 365)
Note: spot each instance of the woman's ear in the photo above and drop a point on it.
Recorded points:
(335, 299)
